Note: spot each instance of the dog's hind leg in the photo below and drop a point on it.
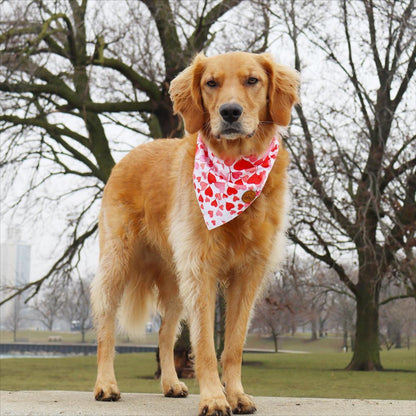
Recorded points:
(106, 291)
(171, 309)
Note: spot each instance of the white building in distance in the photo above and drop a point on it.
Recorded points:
(14, 272)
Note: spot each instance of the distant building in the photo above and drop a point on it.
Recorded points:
(14, 272)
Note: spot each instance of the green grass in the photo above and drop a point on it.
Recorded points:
(300, 342)
(322, 375)
(297, 375)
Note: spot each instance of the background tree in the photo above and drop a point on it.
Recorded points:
(354, 148)
(272, 312)
(77, 305)
(82, 83)
(15, 317)
(344, 317)
(49, 304)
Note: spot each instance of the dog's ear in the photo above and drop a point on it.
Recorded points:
(185, 92)
(283, 89)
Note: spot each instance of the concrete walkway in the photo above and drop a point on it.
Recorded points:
(52, 403)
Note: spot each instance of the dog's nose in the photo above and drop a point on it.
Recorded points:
(231, 112)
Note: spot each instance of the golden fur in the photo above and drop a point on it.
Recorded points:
(154, 243)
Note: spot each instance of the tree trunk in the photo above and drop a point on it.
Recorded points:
(321, 327)
(275, 335)
(293, 328)
(345, 332)
(314, 335)
(169, 125)
(367, 345)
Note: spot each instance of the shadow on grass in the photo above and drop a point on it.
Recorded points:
(388, 370)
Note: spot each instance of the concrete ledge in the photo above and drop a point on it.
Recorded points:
(48, 403)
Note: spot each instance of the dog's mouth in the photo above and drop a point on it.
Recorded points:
(233, 133)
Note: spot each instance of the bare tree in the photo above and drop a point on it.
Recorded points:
(271, 312)
(14, 318)
(285, 304)
(397, 320)
(77, 305)
(353, 147)
(75, 75)
(343, 317)
(49, 304)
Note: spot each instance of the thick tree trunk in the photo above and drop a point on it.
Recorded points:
(169, 125)
(367, 345)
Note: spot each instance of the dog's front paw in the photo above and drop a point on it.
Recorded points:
(241, 403)
(106, 392)
(214, 406)
(177, 389)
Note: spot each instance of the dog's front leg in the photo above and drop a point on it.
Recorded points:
(201, 318)
(240, 296)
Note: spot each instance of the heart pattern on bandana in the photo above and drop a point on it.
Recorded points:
(226, 188)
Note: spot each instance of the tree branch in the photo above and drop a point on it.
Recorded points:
(165, 23)
(353, 77)
(314, 179)
(118, 107)
(405, 220)
(369, 8)
(326, 258)
(56, 133)
(138, 81)
(390, 173)
(392, 298)
(199, 37)
(411, 67)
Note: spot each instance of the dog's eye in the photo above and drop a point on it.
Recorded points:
(211, 83)
(252, 81)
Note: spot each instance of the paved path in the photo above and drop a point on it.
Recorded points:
(52, 403)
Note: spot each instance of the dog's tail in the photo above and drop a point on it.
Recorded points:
(136, 306)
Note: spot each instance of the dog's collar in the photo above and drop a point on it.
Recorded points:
(226, 188)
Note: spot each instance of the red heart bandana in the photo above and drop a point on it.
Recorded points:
(226, 188)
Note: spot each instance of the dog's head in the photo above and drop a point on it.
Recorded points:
(235, 95)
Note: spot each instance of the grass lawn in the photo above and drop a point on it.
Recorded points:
(307, 375)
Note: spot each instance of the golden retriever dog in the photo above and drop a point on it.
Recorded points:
(179, 216)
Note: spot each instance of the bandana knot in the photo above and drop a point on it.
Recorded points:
(226, 188)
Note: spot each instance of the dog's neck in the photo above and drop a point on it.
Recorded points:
(225, 188)
(244, 146)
